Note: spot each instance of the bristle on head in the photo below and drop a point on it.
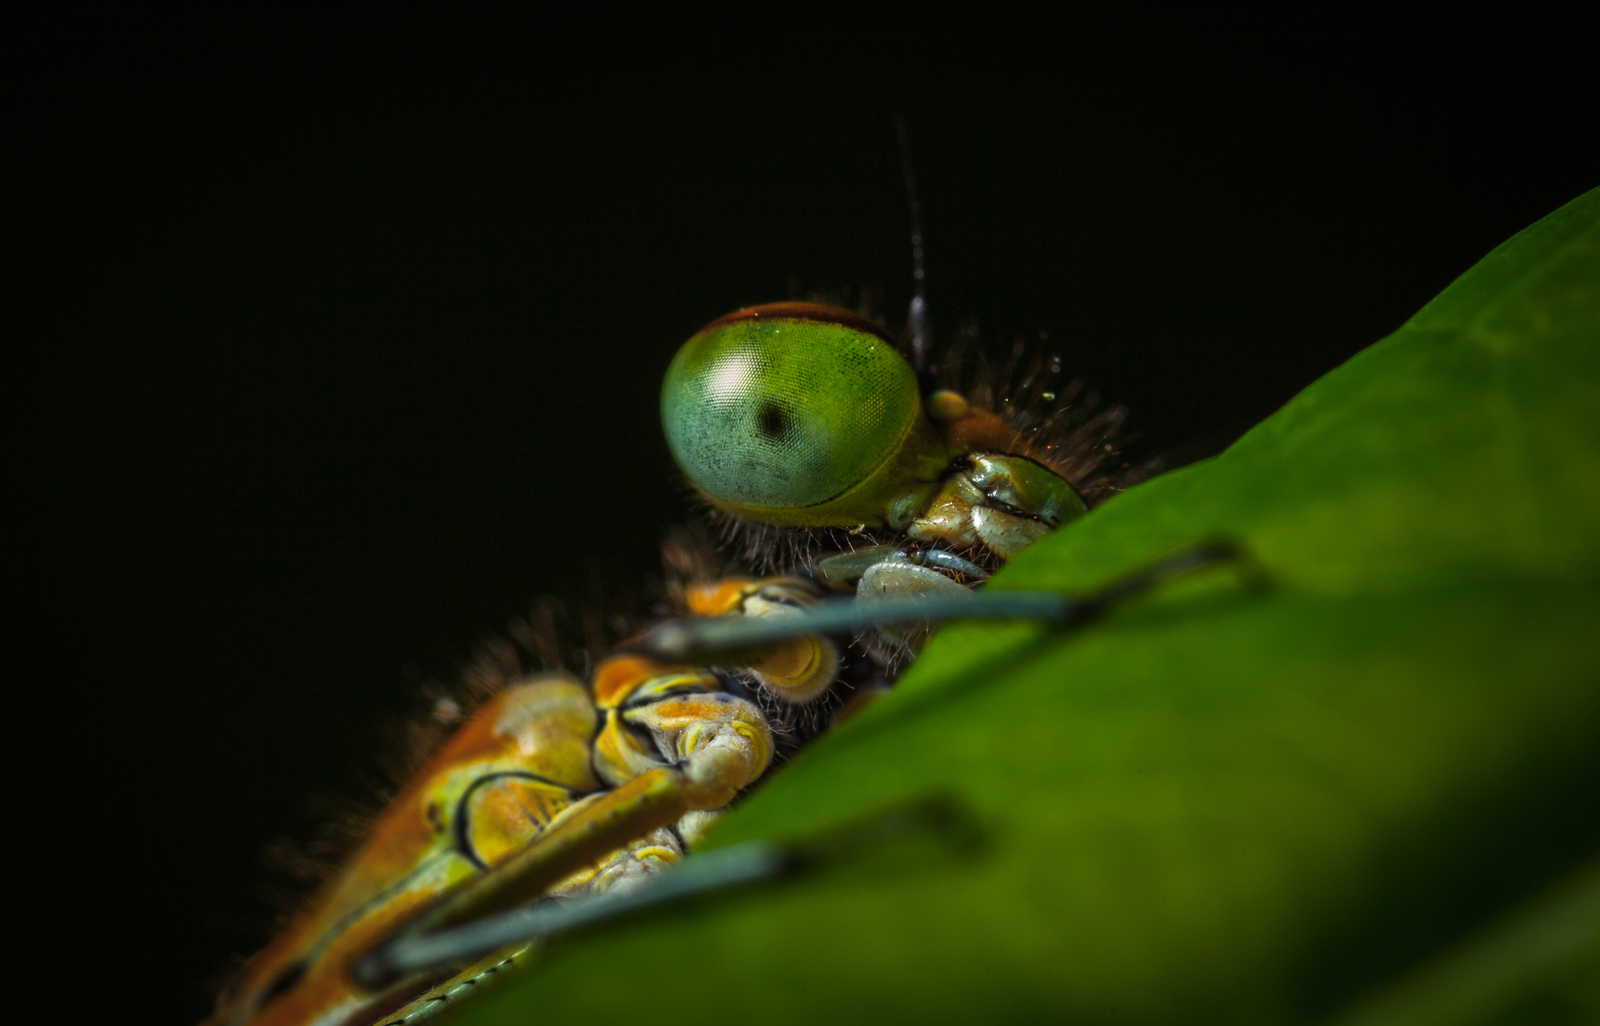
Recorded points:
(1058, 422)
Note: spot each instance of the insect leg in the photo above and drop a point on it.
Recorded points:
(720, 743)
(648, 802)
(795, 670)
(709, 872)
(431, 1004)
(724, 639)
(712, 871)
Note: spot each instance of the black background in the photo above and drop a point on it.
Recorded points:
(351, 348)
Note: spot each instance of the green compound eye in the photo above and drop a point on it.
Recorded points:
(798, 414)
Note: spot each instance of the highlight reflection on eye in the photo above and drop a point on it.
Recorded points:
(729, 381)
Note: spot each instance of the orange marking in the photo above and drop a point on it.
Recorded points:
(353, 911)
(508, 813)
(616, 677)
(982, 431)
(717, 598)
(673, 715)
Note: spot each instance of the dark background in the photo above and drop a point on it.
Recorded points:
(351, 349)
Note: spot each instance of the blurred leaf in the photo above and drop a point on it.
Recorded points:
(1216, 805)
(1541, 966)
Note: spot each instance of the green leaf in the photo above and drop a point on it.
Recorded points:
(1334, 799)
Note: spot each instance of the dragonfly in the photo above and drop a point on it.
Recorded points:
(865, 500)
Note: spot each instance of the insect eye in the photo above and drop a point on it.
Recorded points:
(778, 408)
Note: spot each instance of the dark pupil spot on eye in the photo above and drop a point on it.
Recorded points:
(772, 420)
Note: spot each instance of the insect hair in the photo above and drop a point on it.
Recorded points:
(1061, 424)
(557, 634)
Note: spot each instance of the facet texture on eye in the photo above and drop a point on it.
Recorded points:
(785, 412)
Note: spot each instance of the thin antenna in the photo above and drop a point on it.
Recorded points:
(917, 317)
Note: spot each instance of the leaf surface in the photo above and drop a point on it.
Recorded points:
(1344, 798)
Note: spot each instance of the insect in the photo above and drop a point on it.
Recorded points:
(864, 500)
